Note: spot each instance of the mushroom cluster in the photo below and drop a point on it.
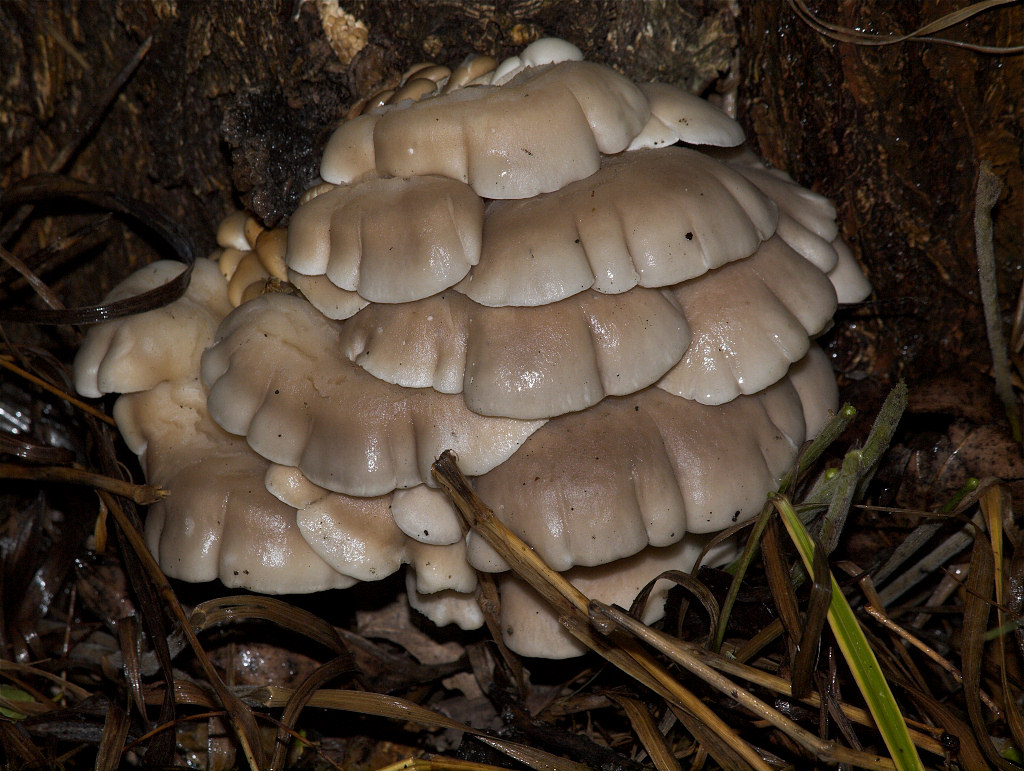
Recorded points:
(585, 287)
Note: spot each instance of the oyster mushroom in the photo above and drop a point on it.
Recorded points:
(510, 260)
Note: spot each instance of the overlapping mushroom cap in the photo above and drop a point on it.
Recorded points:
(585, 287)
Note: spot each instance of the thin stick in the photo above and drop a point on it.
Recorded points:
(989, 188)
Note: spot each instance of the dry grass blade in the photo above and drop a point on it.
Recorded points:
(988, 191)
(115, 731)
(647, 731)
(857, 651)
(299, 699)
(141, 494)
(923, 34)
(691, 585)
(395, 708)
(246, 607)
(7, 363)
(995, 505)
(571, 606)
(955, 673)
(241, 716)
(823, 750)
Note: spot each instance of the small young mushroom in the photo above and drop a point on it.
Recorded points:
(589, 289)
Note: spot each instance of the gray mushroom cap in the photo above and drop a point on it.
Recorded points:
(389, 240)
(545, 128)
(599, 485)
(528, 363)
(650, 217)
(218, 520)
(270, 381)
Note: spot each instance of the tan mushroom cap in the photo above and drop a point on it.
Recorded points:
(546, 128)
(650, 217)
(332, 302)
(349, 432)
(679, 116)
(445, 607)
(248, 271)
(426, 515)
(360, 538)
(530, 627)
(135, 353)
(471, 68)
(218, 521)
(599, 485)
(532, 362)
(390, 240)
(750, 321)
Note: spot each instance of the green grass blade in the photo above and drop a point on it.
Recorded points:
(859, 656)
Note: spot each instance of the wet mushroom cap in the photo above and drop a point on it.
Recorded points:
(599, 485)
(218, 520)
(389, 240)
(649, 217)
(135, 353)
(529, 363)
(348, 431)
(544, 129)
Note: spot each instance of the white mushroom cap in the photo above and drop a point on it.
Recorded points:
(134, 353)
(359, 537)
(544, 129)
(218, 521)
(332, 302)
(815, 381)
(650, 217)
(248, 271)
(426, 515)
(750, 321)
(445, 607)
(679, 116)
(390, 240)
(533, 362)
(349, 432)
(441, 568)
(239, 231)
(529, 626)
(600, 485)
(851, 285)
(547, 50)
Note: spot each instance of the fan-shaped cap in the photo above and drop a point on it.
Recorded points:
(530, 627)
(332, 302)
(390, 240)
(218, 520)
(679, 116)
(851, 285)
(426, 515)
(544, 129)
(599, 485)
(134, 353)
(271, 381)
(533, 362)
(547, 50)
(650, 217)
(750, 321)
(359, 537)
(445, 607)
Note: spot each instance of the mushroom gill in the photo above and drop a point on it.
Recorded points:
(588, 288)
